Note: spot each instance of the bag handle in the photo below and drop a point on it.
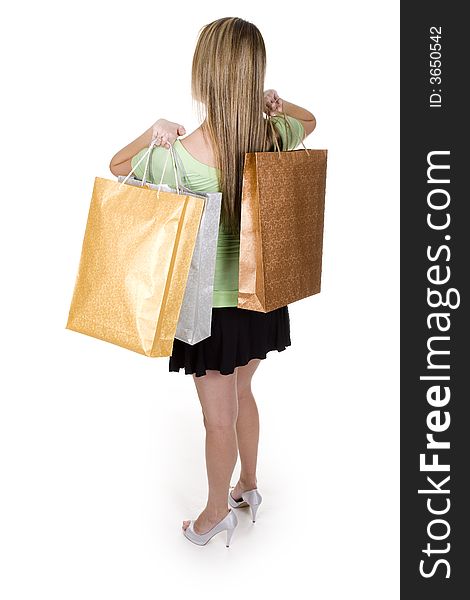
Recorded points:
(274, 134)
(146, 156)
(137, 164)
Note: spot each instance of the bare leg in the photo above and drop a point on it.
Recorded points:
(247, 429)
(218, 396)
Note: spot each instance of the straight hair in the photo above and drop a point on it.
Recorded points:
(227, 86)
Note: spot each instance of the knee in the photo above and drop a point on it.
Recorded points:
(220, 423)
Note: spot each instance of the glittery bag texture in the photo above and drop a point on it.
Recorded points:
(195, 317)
(281, 237)
(134, 265)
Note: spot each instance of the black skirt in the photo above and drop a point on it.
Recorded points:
(237, 336)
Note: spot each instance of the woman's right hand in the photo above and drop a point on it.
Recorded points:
(164, 133)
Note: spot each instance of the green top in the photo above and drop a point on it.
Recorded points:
(203, 178)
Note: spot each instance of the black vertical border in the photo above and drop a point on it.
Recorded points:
(422, 130)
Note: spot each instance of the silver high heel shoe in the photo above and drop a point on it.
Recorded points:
(251, 498)
(228, 523)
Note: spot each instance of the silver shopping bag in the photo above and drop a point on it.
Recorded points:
(195, 318)
(194, 323)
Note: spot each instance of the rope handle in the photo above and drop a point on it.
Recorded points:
(275, 137)
(146, 156)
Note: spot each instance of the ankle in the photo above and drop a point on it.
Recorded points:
(247, 483)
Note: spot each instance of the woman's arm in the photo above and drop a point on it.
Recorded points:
(162, 131)
(121, 162)
(274, 105)
(301, 114)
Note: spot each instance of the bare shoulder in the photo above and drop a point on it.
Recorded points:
(198, 147)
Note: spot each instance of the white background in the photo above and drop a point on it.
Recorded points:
(102, 449)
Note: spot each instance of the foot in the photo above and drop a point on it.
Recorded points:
(206, 521)
(241, 487)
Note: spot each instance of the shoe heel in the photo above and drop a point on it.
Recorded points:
(229, 535)
(254, 508)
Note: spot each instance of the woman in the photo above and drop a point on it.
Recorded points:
(228, 73)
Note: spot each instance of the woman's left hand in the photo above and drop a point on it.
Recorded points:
(272, 102)
(164, 133)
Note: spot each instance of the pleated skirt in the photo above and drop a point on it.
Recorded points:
(237, 336)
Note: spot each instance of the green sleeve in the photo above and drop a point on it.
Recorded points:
(293, 134)
(157, 161)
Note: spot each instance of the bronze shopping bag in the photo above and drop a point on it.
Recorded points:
(281, 236)
(134, 265)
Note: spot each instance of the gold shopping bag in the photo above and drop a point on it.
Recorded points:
(281, 236)
(134, 264)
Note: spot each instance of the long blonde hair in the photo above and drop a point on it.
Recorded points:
(227, 85)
